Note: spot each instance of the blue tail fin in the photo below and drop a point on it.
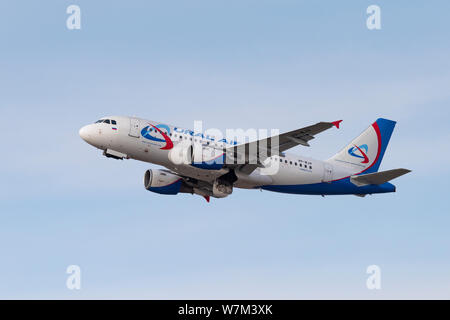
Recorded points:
(385, 129)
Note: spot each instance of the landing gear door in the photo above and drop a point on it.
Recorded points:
(134, 127)
(327, 173)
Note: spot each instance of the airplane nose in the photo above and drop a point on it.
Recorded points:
(84, 133)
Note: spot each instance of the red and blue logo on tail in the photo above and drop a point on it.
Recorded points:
(362, 154)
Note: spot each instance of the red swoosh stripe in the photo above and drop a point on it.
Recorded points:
(169, 143)
(377, 130)
(366, 159)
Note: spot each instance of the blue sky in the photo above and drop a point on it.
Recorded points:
(232, 64)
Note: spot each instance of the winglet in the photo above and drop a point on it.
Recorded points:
(337, 123)
(206, 198)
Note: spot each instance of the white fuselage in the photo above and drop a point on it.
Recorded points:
(127, 141)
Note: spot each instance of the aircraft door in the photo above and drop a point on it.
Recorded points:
(327, 172)
(134, 127)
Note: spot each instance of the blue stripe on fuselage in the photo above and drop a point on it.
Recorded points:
(337, 187)
(214, 164)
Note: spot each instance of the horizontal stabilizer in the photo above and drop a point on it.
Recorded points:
(377, 177)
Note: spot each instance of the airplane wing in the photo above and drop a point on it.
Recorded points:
(202, 188)
(250, 155)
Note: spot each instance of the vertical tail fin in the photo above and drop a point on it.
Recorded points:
(364, 153)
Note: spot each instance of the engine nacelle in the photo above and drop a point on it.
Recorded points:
(221, 189)
(162, 182)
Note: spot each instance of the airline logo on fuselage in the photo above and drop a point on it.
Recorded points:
(154, 133)
(202, 136)
(151, 132)
(357, 152)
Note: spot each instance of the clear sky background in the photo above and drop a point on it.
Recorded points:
(232, 64)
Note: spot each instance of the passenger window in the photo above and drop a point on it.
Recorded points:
(290, 162)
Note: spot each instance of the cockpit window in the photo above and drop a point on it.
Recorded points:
(108, 121)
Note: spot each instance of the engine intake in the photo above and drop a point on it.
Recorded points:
(162, 182)
(221, 189)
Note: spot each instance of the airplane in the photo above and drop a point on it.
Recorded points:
(205, 165)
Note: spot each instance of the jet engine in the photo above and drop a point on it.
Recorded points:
(221, 188)
(164, 182)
